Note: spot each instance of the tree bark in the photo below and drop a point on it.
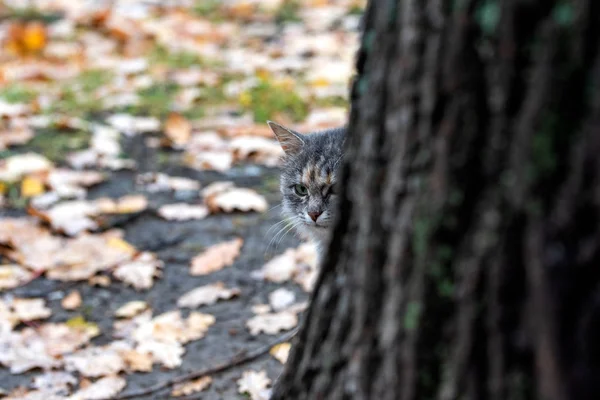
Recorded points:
(465, 260)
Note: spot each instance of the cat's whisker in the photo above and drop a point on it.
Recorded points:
(275, 226)
(295, 225)
(275, 206)
(279, 233)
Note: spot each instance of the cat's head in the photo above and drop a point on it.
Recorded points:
(309, 176)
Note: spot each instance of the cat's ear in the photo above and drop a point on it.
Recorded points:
(291, 142)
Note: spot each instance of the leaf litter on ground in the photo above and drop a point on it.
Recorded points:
(76, 91)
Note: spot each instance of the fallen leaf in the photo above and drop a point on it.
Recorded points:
(137, 361)
(94, 361)
(40, 348)
(163, 336)
(216, 257)
(99, 280)
(15, 137)
(229, 198)
(178, 129)
(13, 311)
(130, 124)
(272, 323)
(13, 275)
(31, 186)
(256, 149)
(208, 294)
(158, 182)
(255, 384)
(131, 309)
(16, 167)
(281, 298)
(102, 389)
(71, 301)
(54, 382)
(280, 269)
(182, 212)
(281, 351)
(140, 272)
(261, 309)
(187, 388)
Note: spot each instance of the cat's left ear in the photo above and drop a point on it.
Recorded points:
(291, 142)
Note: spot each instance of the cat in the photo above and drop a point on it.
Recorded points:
(308, 180)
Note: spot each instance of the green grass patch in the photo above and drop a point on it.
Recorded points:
(209, 9)
(174, 59)
(155, 100)
(288, 12)
(55, 144)
(16, 93)
(267, 100)
(77, 96)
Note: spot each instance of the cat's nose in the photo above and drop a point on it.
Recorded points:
(314, 215)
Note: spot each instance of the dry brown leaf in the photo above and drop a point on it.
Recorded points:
(82, 257)
(259, 150)
(216, 257)
(208, 294)
(139, 272)
(187, 388)
(164, 335)
(70, 183)
(137, 361)
(261, 309)
(183, 211)
(16, 167)
(93, 361)
(158, 182)
(280, 269)
(299, 264)
(40, 348)
(178, 129)
(13, 275)
(273, 323)
(15, 137)
(71, 301)
(281, 351)
(13, 311)
(131, 309)
(102, 389)
(225, 197)
(99, 280)
(255, 384)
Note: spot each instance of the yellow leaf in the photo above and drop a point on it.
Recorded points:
(81, 324)
(281, 351)
(263, 74)
(120, 244)
(320, 82)
(31, 186)
(34, 37)
(3, 187)
(245, 99)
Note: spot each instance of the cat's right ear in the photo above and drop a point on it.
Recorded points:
(291, 142)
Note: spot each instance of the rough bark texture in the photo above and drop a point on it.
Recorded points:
(466, 260)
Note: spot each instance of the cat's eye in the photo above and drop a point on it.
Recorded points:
(300, 190)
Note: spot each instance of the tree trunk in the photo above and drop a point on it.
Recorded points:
(465, 261)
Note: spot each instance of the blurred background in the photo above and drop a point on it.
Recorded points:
(120, 121)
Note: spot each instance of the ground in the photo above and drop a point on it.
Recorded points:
(176, 243)
(133, 87)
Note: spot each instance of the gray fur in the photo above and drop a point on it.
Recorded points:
(311, 160)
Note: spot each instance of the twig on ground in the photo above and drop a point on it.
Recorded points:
(240, 358)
